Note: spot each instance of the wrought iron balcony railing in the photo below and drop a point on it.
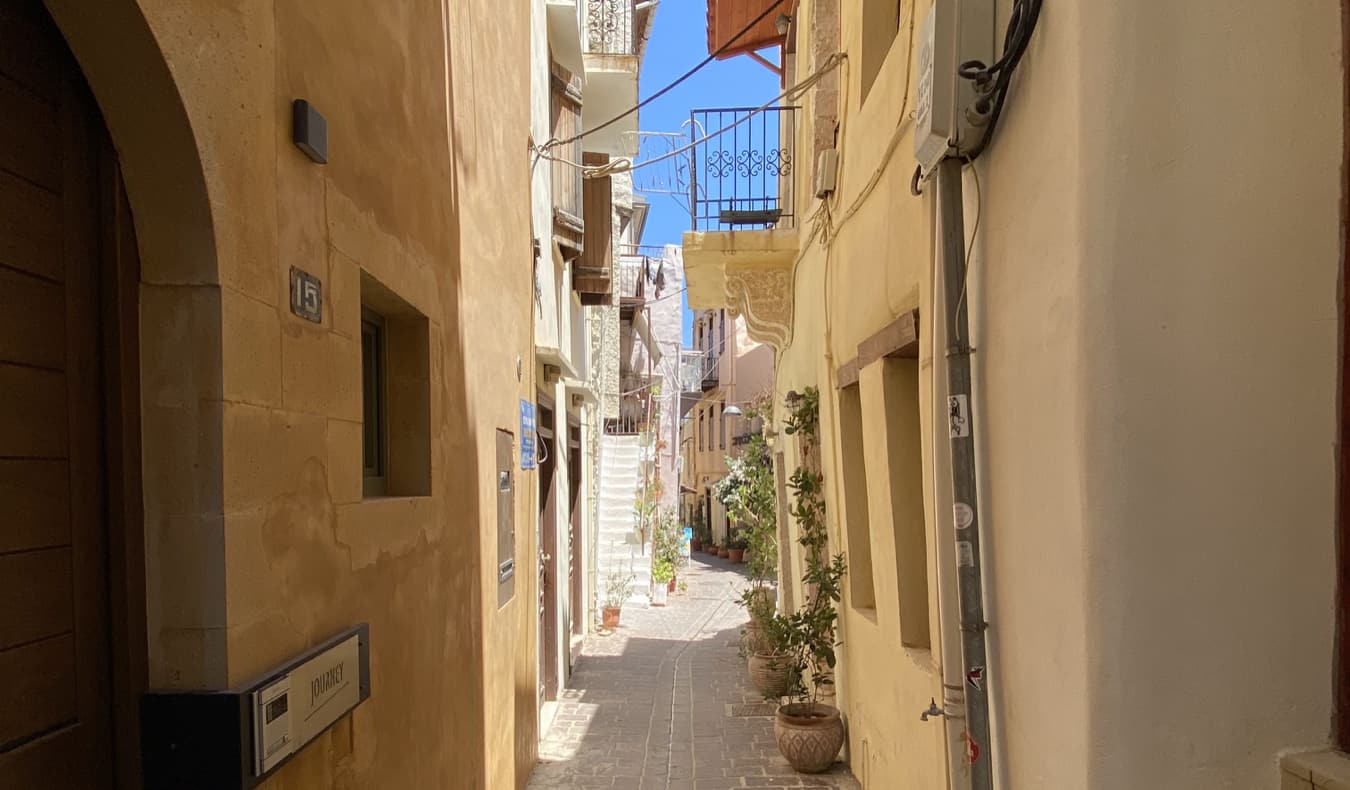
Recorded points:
(691, 371)
(634, 406)
(742, 177)
(609, 27)
(633, 279)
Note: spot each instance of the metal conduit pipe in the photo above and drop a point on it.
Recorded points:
(953, 703)
(961, 432)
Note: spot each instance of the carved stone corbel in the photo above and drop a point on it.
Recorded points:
(762, 292)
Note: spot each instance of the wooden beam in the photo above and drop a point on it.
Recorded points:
(766, 63)
(900, 338)
(847, 375)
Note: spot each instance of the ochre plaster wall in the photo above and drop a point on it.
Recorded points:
(877, 267)
(259, 541)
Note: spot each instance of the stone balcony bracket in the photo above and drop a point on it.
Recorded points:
(748, 272)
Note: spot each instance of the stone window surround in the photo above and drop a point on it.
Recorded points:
(1325, 769)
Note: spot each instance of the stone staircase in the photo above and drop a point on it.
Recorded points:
(617, 547)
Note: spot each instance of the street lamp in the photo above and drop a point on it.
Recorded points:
(732, 411)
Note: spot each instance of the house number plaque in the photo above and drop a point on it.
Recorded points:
(306, 296)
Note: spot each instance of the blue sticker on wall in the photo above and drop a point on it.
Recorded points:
(526, 435)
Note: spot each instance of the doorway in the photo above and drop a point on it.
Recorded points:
(548, 562)
(72, 655)
(575, 564)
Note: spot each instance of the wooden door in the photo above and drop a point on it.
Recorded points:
(55, 656)
(548, 563)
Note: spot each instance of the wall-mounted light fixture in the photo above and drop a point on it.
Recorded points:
(309, 131)
(783, 22)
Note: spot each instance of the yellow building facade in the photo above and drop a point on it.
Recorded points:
(258, 505)
(1160, 600)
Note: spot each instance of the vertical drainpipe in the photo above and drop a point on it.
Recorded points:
(953, 675)
(961, 431)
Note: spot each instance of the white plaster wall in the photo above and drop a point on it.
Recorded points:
(1155, 298)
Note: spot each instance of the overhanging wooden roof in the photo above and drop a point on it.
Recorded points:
(726, 18)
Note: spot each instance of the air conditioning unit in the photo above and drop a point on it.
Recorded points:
(956, 31)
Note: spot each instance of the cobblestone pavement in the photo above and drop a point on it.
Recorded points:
(650, 707)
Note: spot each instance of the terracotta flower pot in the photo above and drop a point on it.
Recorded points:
(609, 617)
(723, 552)
(695, 545)
(809, 735)
(771, 673)
(736, 555)
(670, 586)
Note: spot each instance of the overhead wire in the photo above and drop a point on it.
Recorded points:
(625, 164)
(671, 86)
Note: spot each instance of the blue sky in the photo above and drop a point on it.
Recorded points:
(679, 40)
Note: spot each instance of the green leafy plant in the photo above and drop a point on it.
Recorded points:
(618, 588)
(662, 571)
(749, 494)
(806, 637)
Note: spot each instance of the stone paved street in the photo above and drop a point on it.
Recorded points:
(650, 706)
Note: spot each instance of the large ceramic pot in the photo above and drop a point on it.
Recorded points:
(809, 735)
(670, 586)
(771, 673)
(609, 617)
(736, 555)
(723, 552)
(695, 544)
(659, 594)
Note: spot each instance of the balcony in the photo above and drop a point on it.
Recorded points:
(710, 373)
(743, 216)
(634, 406)
(742, 178)
(691, 379)
(634, 276)
(613, 40)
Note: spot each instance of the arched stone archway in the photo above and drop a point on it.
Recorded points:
(179, 309)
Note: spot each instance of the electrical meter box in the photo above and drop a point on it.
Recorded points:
(236, 738)
(956, 31)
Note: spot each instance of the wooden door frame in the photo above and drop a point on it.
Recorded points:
(1341, 662)
(548, 543)
(119, 303)
(574, 475)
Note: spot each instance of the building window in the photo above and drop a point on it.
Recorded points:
(701, 429)
(881, 21)
(721, 426)
(862, 592)
(395, 394)
(900, 392)
(374, 406)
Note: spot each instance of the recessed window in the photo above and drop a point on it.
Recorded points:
(862, 593)
(881, 21)
(900, 383)
(374, 407)
(395, 394)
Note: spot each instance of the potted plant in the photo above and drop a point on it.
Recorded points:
(617, 591)
(663, 573)
(736, 547)
(723, 552)
(666, 548)
(810, 732)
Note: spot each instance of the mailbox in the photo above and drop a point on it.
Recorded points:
(234, 739)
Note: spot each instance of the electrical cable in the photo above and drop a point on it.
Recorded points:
(668, 88)
(625, 165)
(992, 81)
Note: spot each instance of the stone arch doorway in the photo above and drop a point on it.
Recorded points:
(75, 649)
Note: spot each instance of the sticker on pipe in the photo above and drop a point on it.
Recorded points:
(964, 514)
(965, 554)
(958, 415)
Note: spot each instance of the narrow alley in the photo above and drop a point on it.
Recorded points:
(665, 702)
